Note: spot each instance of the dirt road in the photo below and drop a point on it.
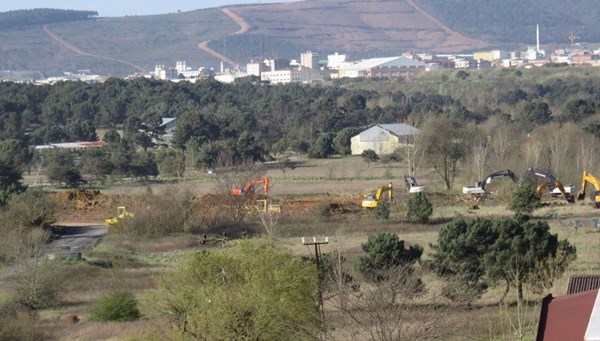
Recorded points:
(81, 52)
(452, 34)
(244, 27)
(77, 238)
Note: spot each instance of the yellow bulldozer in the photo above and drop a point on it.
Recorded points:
(122, 213)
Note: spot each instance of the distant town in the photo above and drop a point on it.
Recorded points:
(312, 67)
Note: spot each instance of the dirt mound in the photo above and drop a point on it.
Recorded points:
(82, 199)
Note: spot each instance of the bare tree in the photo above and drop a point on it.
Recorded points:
(269, 220)
(34, 280)
(412, 151)
(377, 317)
(232, 174)
(447, 144)
(480, 150)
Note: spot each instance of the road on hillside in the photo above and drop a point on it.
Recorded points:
(443, 27)
(81, 52)
(244, 27)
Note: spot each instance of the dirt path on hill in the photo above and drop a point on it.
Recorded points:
(81, 52)
(453, 35)
(244, 27)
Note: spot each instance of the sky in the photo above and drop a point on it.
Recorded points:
(117, 8)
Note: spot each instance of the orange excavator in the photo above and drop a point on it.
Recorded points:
(589, 178)
(249, 187)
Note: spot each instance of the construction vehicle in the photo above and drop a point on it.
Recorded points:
(550, 183)
(374, 198)
(122, 213)
(411, 184)
(588, 178)
(264, 206)
(249, 187)
(479, 187)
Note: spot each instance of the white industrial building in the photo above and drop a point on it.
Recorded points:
(383, 138)
(390, 67)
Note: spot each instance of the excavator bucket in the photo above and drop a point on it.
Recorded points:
(581, 196)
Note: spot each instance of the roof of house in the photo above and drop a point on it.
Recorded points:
(381, 132)
(579, 284)
(387, 62)
(570, 317)
(73, 145)
(167, 120)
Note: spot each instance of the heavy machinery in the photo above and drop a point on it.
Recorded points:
(551, 183)
(249, 186)
(479, 187)
(264, 206)
(374, 198)
(588, 178)
(411, 184)
(122, 213)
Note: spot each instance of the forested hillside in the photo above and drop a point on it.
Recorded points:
(43, 16)
(513, 21)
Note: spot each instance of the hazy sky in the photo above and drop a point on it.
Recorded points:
(112, 8)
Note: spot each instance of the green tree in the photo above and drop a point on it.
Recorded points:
(533, 114)
(419, 208)
(95, 164)
(522, 248)
(341, 142)
(254, 290)
(171, 162)
(524, 200)
(111, 136)
(369, 156)
(10, 182)
(458, 257)
(16, 153)
(323, 147)
(387, 256)
(60, 168)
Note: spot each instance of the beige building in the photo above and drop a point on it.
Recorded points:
(383, 138)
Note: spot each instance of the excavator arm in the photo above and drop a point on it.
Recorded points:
(551, 183)
(373, 200)
(588, 178)
(237, 191)
(499, 174)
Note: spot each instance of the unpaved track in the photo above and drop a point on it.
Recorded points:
(78, 238)
(443, 27)
(81, 52)
(244, 27)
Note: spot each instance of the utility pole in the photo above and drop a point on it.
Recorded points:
(317, 244)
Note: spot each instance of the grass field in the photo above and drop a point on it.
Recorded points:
(136, 261)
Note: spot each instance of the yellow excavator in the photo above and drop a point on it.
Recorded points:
(549, 183)
(122, 213)
(590, 179)
(374, 198)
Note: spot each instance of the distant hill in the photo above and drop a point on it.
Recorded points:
(42, 16)
(79, 40)
(514, 21)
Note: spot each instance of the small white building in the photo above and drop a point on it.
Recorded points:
(383, 138)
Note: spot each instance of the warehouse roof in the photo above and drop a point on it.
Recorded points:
(381, 132)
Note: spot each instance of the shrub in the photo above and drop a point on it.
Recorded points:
(382, 210)
(524, 200)
(419, 208)
(116, 306)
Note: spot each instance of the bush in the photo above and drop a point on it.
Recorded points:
(524, 200)
(116, 306)
(419, 208)
(382, 210)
